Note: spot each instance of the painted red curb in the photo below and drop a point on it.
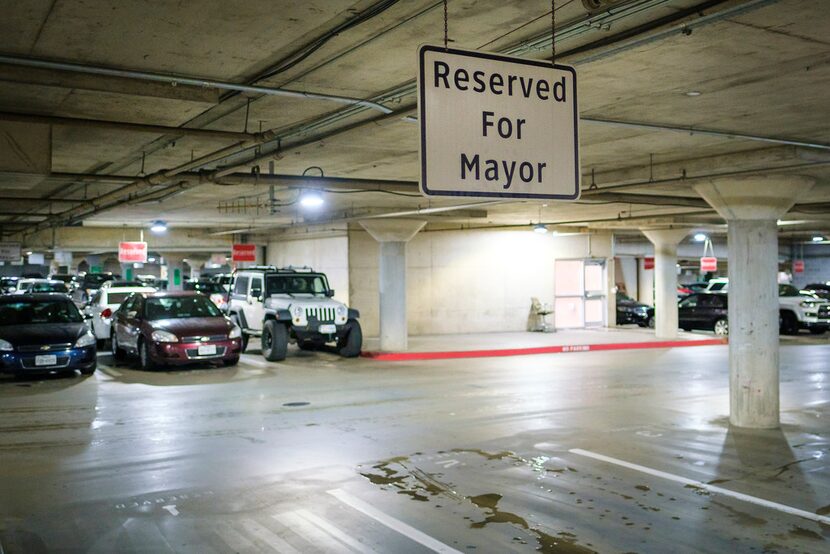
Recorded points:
(410, 356)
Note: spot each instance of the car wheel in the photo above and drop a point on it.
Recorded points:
(274, 341)
(90, 370)
(147, 363)
(117, 352)
(650, 322)
(789, 324)
(721, 327)
(352, 341)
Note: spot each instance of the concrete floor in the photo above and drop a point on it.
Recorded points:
(449, 456)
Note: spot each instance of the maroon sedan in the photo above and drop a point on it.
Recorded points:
(174, 328)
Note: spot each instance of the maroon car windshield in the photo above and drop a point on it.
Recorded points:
(180, 307)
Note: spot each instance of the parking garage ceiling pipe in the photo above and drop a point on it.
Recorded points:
(175, 80)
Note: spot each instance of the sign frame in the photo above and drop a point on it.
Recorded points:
(243, 252)
(7, 252)
(424, 186)
(708, 262)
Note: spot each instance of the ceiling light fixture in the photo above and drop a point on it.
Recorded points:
(693, 93)
(539, 228)
(311, 199)
(158, 226)
(700, 237)
(818, 238)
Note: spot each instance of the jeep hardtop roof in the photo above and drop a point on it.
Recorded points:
(273, 269)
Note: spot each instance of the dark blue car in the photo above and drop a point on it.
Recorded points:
(44, 333)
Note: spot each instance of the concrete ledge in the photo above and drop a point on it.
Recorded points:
(555, 349)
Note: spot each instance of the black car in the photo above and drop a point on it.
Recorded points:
(704, 310)
(44, 333)
(822, 290)
(631, 311)
(8, 284)
(90, 283)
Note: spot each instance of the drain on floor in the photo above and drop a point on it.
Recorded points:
(295, 404)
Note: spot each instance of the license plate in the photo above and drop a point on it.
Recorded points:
(48, 359)
(328, 329)
(207, 350)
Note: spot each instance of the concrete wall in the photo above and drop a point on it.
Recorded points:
(816, 264)
(329, 255)
(468, 281)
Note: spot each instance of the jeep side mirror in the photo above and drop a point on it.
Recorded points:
(330, 293)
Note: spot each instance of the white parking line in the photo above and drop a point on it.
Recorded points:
(701, 485)
(394, 524)
(268, 537)
(320, 533)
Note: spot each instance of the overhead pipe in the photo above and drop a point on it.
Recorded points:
(137, 127)
(175, 80)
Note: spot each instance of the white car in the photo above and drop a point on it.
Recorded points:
(28, 286)
(103, 304)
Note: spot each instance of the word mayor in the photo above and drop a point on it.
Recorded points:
(496, 126)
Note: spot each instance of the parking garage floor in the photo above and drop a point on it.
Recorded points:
(581, 452)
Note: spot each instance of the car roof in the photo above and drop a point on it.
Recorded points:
(111, 290)
(34, 297)
(172, 294)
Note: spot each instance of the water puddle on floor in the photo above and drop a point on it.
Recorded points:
(401, 475)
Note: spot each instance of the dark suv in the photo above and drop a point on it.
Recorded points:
(705, 310)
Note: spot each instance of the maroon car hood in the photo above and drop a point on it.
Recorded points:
(194, 326)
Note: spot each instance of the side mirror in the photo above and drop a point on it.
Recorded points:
(330, 293)
(87, 315)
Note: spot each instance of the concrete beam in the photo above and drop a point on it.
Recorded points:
(106, 239)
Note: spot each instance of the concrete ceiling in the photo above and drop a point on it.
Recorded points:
(760, 66)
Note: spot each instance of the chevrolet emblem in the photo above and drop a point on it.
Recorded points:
(45, 347)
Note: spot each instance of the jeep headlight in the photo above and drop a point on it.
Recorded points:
(342, 311)
(164, 336)
(87, 339)
(297, 311)
(236, 333)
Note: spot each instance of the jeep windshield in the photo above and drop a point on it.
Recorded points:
(306, 283)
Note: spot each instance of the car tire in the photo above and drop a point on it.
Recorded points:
(90, 370)
(274, 341)
(147, 363)
(721, 327)
(117, 352)
(650, 322)
(351, 342)
(789, 323)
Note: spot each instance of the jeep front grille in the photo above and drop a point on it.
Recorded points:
(320, 314)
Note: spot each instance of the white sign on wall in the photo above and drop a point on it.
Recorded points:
(495, 126)
(9, 251)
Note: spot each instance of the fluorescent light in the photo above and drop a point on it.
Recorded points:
(700, 237)
(539, 228)
(311, 200)
(151, 260)
(158, 226)
(818, 238)
(693, 93)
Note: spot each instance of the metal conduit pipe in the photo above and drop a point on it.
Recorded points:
(174, 80)
(137, 127)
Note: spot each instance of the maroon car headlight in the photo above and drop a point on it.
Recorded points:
(164, 336)
(236, 333)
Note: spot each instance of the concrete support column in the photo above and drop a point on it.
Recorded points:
(665, 243)
(196, 266)
(392, 236)
(751, 207)
(175, 271)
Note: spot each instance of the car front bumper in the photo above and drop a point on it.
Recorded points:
(182, 353)
(65, 360)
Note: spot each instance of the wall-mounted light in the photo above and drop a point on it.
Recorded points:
(158, 226)
(700, 237)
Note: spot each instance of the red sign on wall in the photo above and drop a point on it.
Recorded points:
(648, 263)
(798, 266)
(708, 264)
(132, 252)
(243, 253)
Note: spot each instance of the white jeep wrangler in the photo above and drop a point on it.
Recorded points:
(291, 305)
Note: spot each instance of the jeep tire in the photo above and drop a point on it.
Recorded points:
(351, 342)
(274, 340)
(789, 323)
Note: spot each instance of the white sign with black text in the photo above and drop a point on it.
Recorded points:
(9, 251)
(497, 127)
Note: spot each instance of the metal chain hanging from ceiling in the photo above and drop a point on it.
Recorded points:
(445, 25)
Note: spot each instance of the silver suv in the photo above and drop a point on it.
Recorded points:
(291, 305)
